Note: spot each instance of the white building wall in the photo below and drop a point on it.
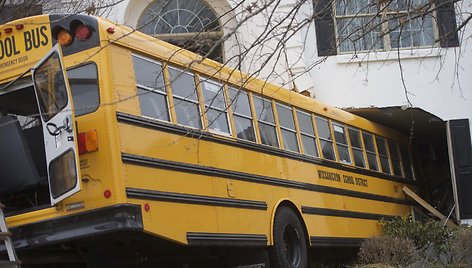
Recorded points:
(437, 80)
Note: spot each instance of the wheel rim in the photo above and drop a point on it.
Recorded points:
(292, 247)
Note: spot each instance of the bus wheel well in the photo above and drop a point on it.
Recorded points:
(294, 208)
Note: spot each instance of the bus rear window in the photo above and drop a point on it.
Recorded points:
(83, 81)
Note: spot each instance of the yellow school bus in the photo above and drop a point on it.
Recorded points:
(118, 147)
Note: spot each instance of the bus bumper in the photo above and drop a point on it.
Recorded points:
(123, 217)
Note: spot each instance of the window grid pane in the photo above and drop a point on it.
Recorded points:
(244, 128)
(153, 104)
(382, 149)
(355, 138)
(359, 24)
(370, 151)
(265, 117)
(215, 104)
(324, 134)
(341, 143)
(150, 87)
(406, 161)
(185, 98)
(307, 133)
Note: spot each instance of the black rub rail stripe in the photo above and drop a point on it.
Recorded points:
(344, 213)
(317, 241)
(194, 199)
(197, 169)
(180, 130)
(214, 239)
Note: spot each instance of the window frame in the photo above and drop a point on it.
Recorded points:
(374, 152)
(325, 140)
(165, 93)
(293, 131)
(396, 144)
(235, 114)
(347, 145)
(98, 86)
(260, 121)
(201, 81)
(361, 149)
(185, 99)
(385, 156)
(383, 13)
(314, 136)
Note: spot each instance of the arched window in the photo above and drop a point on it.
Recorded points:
(190, 24)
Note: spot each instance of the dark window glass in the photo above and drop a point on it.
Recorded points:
(153, 104)
(265, 117)
(356, 145)
(287, 126)
(309, 145)
(187, 113)
(215, 105)
(382, 148)
(264, 110)
(83, 81)
(239, 101)
(285, 117)
(327, 150)
(183, 84)
(63, 174)
(323, 128)
(305, 123)
(151, 91)
(406, 161)
(396, 164)
(341, 143)
(148, 73)
(244, 128)
(307, 133)
(213, 94)
(268, 134)
(185, 98)
(324, 133)
(290, 140)
(370, 151)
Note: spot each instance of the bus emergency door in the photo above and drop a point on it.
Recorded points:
(56, 112)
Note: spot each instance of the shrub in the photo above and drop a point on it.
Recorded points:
(388, 250)
(423, 234)
(462, 246)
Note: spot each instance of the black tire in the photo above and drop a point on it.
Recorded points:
(290, 246)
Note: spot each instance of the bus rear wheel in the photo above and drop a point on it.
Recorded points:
(289, 250)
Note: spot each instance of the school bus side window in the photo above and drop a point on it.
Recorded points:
(341, 143)
(307, 133)
(185, 97)
(287, 127)
(215, 106)
(239, 101)
(407, 167)
(370, 151)
(265, 118)
(394, 156)
(356, 144)
(83, 82)
(383, 155)
(151, 90)
(326, 140)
